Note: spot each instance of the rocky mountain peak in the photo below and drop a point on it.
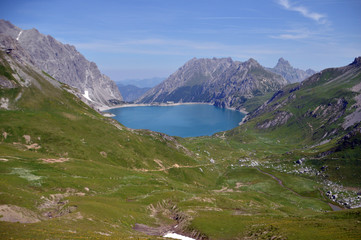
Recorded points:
(252, 63)
(220, 81)
(65, 64)
(357, 61)
(8, 28)
(282, 63)
(291, 74)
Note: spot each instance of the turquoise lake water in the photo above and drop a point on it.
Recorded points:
(182, 120)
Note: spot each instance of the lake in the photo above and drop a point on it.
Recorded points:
(189, 120)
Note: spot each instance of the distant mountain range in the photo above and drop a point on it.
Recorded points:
(291, 74)
(220, 81)
(142, 83)
(64, 63)
(131, 92)
(132, 89)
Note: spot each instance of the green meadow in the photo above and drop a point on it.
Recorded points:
(67, 172)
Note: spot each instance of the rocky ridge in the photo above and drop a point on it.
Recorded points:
(15, 67)
(220, 81)
(317, 104)
(291, 74)
(64, 63)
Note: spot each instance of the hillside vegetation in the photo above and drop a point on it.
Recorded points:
(67, 172)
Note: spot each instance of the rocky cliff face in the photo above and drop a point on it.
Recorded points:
(291, 74)
(19, 74)
(223, 82)
(65, 64)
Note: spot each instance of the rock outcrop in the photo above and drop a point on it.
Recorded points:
(64, 63)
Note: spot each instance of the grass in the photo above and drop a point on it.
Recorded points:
(112, 177)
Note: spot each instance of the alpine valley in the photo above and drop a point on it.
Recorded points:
(291, 170)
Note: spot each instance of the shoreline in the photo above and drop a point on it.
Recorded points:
(103, 109)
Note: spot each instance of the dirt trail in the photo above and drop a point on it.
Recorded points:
(161, 169)
(280, 182)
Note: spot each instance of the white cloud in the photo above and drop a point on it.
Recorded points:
(291, 36)
(318, 17)
(237, 18)
(294, 34)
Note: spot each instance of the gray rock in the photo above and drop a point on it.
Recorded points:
(64, 63)
(222, 82)
(280, 118)
(290, 73)
(300, 161)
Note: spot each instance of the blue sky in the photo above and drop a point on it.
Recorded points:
(153, 38)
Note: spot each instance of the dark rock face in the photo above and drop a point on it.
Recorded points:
(290, 73)
(223, 82)
(65, 64)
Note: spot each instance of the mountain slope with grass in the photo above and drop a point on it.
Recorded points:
(222, 82)
(67, 172)
(323, 107)
(321, 116)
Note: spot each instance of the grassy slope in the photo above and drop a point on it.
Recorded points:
(104, 195)
(302, 131)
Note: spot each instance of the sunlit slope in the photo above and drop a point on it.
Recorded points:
(320, 116)
(67, 172)
(53, 146)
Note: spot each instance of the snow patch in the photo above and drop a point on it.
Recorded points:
(86, 95)
(17, 39)
(177, 236)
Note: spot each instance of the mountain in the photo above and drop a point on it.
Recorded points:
(142, 83)
(331, 96)
(321, 115)
(131, 92)
(291, 74)
(59, 155)
(64, 63)
(223, 82)
(67, 172)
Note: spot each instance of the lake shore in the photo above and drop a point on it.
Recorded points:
(102, 109)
